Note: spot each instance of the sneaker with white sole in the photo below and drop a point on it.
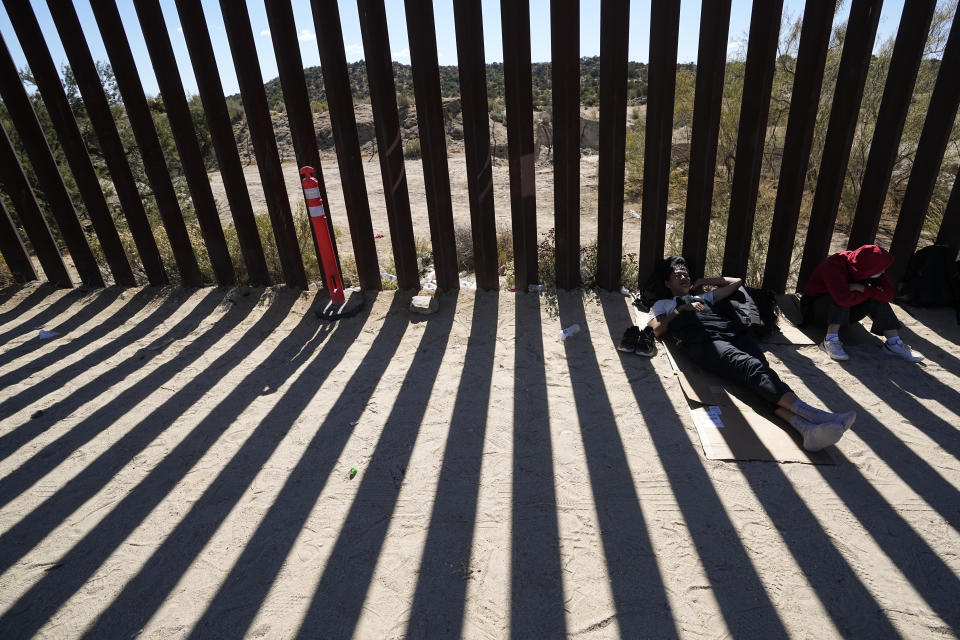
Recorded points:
(628, 344)
(646, 343)
(902, 350)
(834, 349)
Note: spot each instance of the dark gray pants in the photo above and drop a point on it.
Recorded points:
(739, 359)
(822, 311)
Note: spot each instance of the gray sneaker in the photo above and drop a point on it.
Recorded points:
(902, 350)
(834, 349)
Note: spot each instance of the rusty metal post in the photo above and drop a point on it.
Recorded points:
(664, 32)
(224, 144)
(13, 250)
(804, 103)
(565, 54)
(615, 27)
(468, 20)
(148, 143)
(897, 94)
(336, 82)
(854, 64)
(244, 52)
(34, 224)
(752, 132)
(386, 121)
(518, 89)
(422, 38)
(707, 101)
(949, 233)
(930, 149)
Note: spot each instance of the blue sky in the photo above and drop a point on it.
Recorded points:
(446, 43)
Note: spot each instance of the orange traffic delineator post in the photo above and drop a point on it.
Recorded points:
(318, 218)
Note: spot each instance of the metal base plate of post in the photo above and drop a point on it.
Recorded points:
(328, 311)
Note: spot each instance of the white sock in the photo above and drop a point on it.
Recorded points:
(894, 340)
(818, 416)
(811, 413)
(817, 436)
(832, 337)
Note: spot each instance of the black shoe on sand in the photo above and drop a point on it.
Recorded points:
(628, 344)
(646, 344)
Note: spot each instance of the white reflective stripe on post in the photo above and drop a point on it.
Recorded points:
(312, 192)
(317, 211)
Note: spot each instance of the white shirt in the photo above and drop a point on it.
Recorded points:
(666, 305)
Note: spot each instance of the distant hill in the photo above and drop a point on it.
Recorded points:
(450, 84)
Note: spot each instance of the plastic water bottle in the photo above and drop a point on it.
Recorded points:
(569, 331)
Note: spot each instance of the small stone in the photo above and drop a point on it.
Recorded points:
(36, 414)
(424, 304)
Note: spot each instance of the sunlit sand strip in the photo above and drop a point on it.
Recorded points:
(918, 514)
(27, 329)
(879, 575)
(207, 572)
(668, 531)
(53, 344)
(105, 438)
(23, 292)
(290, 595)
(81, 381)
(85, 518)
(909, 434)
(394, 578)
(945, 462)
(129, 557)
(487, 605)
(588, 598)
(80, 458)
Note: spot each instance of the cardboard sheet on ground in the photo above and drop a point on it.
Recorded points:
(732, 422)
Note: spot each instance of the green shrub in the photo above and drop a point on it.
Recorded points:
(411, 149)
(6, 276)
(463, 239)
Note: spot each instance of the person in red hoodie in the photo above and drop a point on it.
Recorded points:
(849, 286)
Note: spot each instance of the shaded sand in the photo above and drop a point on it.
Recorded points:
(177, 463)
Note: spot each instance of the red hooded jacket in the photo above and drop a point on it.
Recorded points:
(834, 275)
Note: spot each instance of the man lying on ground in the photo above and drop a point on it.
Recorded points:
(849, 286)
(721, 345)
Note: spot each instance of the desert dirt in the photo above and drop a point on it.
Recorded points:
(418, 204)
(179, 463)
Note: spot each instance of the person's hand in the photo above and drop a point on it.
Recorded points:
(692, 306)
(699, 282)
(856, 286)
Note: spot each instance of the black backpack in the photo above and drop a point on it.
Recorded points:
(755, 309)
(932, 279)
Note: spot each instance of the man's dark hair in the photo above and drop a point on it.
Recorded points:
(654, 289)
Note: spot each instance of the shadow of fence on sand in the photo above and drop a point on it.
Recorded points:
(261, 363)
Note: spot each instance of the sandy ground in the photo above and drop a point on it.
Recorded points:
(178, 463)
(589, 165)
(459, 197)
